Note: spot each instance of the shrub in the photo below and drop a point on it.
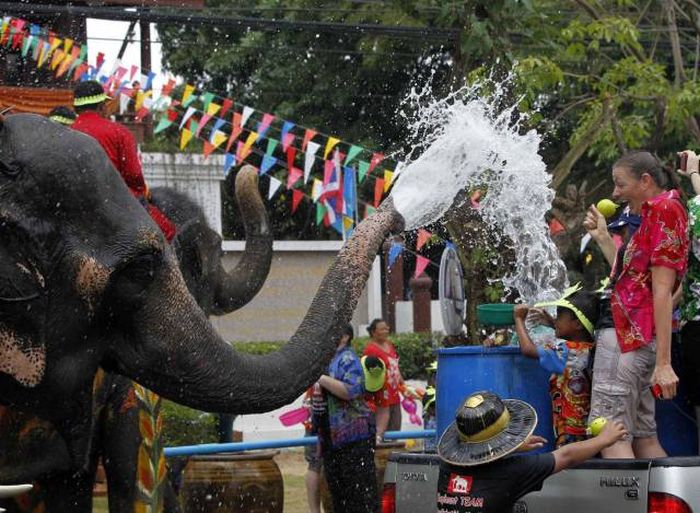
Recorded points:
(186, 426)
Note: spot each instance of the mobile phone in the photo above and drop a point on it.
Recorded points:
(682, 161)
(656, 391)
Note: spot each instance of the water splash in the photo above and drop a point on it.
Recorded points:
(470, 140)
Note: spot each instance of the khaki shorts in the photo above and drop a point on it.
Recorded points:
(621, 384)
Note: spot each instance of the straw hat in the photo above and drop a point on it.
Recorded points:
(485, 429)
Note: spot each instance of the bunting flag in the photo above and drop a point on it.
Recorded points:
(185, 136)
(353, 152)
(423, 237)
(296, 199)
(287, 127)
(369, 210)
(287, 141)
(168, 88)
(217, 137)
(225, 107)
(320, 213)
(362, 168)
(330, 144)
(421, 264)
(166, 121)
(271, 145)
(378, 191)
(188, 114)
(229, 162)
(395, 251)
(388, 179)
(187, 94)
(348, 226)
(247, 112)
(376, 159)
(207, 149)
(213, 109)
(149, 81)
(291, 155)
(206, 99)
(275, 184)
(236, 129)
(308, 135)
(267, 162)
(309, 159)
(294, 175)
(264, 125)
(316, 190)
(349, 191)
(133, 71)
(205, 119)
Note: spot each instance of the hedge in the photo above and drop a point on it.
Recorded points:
(185, 426)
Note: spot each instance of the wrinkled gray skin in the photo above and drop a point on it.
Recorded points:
(86, 279)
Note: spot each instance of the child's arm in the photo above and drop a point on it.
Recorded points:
(578, 452)
(527, 347)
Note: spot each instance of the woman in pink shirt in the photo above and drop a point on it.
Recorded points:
(646, 272)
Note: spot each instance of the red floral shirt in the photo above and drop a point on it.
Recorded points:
(662, 240)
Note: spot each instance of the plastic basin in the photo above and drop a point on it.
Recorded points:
(495, 314)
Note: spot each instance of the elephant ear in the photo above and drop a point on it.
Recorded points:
(22, 321)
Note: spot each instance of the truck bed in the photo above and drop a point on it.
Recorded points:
(597, 486)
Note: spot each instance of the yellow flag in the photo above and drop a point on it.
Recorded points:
(332, 141)
(185, 137)
(56, 43)
(213, 109)
(388, 178)
(67, 45)
(189, 89)
(58, 56)
(219, 138)
(252, 137)
(347, 222)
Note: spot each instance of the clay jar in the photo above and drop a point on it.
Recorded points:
(233, 483)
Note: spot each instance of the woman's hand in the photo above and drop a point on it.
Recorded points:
(692, 163)
(595, 224)
(666, 378)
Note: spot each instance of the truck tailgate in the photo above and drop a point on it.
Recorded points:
(597, 486)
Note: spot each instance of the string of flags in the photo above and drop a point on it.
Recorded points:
(239, 130)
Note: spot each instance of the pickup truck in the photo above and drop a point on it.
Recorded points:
(662, 485)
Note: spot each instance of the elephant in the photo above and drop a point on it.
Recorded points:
(87, 281)
(120, 437)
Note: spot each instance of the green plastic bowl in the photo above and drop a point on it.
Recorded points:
(495, 314)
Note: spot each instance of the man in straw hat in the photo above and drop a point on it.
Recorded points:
(90, 102)
(476, 475)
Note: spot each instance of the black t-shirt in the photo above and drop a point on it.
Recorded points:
(493, 487)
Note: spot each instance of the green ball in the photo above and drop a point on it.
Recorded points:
(606, 207)
(597, 425)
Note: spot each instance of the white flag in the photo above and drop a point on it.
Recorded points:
(311, 149)
(274, 185)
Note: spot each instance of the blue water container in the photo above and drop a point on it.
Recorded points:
(503, 370)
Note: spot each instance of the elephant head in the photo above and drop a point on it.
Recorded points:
(198, 247)
(87, 280)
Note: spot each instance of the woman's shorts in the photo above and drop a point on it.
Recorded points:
(621, 385)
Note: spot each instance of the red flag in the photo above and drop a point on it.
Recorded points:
(208, 149)
(376, 159)
(296, 199)
(235, 130)
(291, 153)
(308, 135)
(100, 59)
(142, 113)
(225, 106)
(423, 236)
(168, 88)
(421, 264)
(378, 191)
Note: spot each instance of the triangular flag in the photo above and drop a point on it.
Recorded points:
(316, 189)
(124, 100)
(308, 135)
(248, 146)
(287, 126)
(274, 186)
(67, 44)
(55, 43)
(294, 175)
(264, 125)
(216, 129)
(349, 191)
(208, 148)
(225, 106)
(190, 100)
(206, 100)
(395, 251)
(188, 114)
(348, 224)
(378, 191)
(421, 264)
(247, 111)
(213, 109)
(133, 71)
(267, 162)
(362, 168)
(296, 199)
(205, 119)
(287, 142)
(388, 178)
(310, 158)
(376, 159)
(185, 137)
(229, 162)
(423, 237)
(353, 152)
(187, 93)
(168, 87)
(369, 210)
(163, 123)
(330, 144)
(320, 213)
(235, 129)
(271, 145)
(291, 155)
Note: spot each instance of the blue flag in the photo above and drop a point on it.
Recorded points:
(349, 191)
(286, 127)
(229, 162)
(394, 251)
(267, 162)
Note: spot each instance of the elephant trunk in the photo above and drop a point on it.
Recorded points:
(181, 357)
(237, 287)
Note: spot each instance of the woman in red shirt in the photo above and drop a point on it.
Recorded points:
(387, 400)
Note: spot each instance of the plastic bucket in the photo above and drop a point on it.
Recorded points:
(503, 370)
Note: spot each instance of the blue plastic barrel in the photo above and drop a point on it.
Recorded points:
(503, 370)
